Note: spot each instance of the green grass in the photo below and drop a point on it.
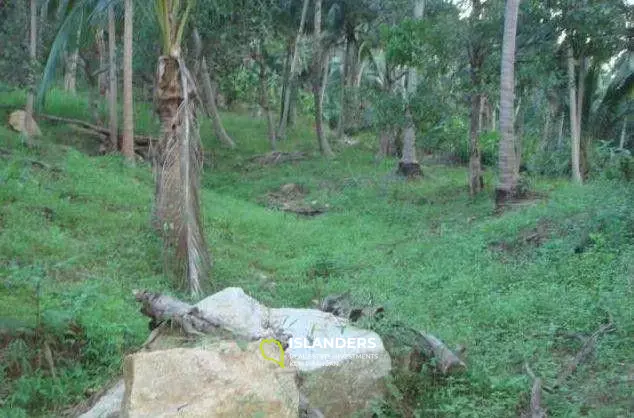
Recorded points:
(77, 233)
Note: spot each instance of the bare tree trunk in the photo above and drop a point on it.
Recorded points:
(264, 97)
(70, 77)
(293, 73)
(33, 56)
(508, 164)
(546, 132)
(409, 165)
(324, 84)
(112, 77)
(286, 75)
(574, 126)
(476, 52)
(583, 140)
(102, 78)
(317, 76)
(210, 100)
(560, 135)
(127, 146)
(623, 134)
(342, 92)
(476, 181)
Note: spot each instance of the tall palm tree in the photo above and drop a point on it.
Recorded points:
(508, 159)
(178, 159)
(179, 155)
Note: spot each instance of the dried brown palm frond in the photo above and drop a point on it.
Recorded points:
(178, 167)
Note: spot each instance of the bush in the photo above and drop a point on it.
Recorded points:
(613, 163)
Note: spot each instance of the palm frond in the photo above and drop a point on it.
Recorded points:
(74, 15)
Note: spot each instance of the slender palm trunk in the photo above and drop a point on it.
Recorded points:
(102, 78)
(127, 146)
(70, 77)
(342, 90)
(560, 134)
(210, 100)
(574, 126)
(112, 78)
(508, 164)
(293, 73)
(33, 56)
(264, 97)
(409, 165)
(317, 75)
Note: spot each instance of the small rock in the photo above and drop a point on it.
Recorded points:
(17, 120)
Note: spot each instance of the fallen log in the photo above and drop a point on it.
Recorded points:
(535, 405)
(139, 140)
(162, 309)
(408, 346)
(587, 348)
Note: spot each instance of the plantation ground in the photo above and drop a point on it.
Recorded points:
(75, 240)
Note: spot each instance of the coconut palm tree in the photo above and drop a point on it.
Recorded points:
(178, 162)
(508, 165)
(178, 158)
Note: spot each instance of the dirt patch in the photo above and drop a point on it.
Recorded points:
(527, 239)
(291, 198)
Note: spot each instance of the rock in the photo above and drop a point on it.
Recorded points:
(243, 315)
(17, 120)
(342, 367)
(218, 380)
(109, 404)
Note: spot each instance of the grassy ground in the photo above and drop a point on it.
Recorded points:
(75, 240)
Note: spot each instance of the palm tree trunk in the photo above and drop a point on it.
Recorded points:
(324, 84)
(560, 135)
(409, 165)
(317, 75)
(286, 75)
(264, 97)
(33, 56)
(508, 164)
(342, 90)
(583, 140)
(102, 78)
(293, 73)
(476, 182)
(623, 134)
(127, 146)
(70, 77)
(574, 126)
(178, 167)
(112, 77)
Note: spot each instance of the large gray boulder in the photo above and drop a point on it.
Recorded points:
(342, 367)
